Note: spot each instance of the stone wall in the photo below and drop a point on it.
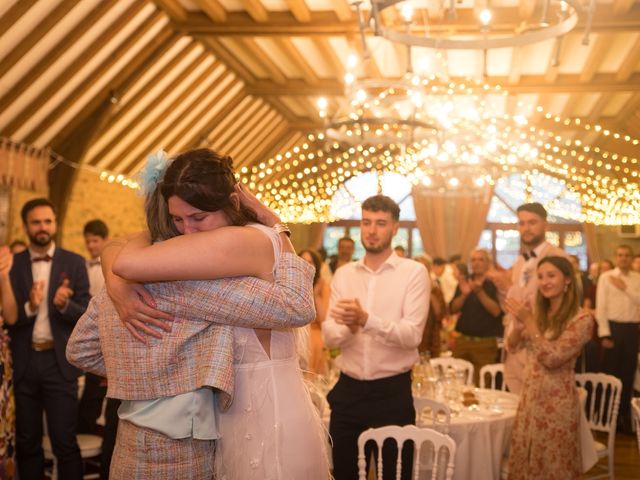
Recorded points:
(119, 207)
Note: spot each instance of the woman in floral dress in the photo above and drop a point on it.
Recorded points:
(545, 439)
(7, 405)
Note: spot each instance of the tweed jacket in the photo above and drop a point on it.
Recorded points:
(199, 350)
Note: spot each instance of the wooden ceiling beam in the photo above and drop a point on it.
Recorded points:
(116, 143)
(54, 54)
(149, 134)
(300, 61)
(213, 9)
(259, 125)
(329, 55)
(174, 9)
(567, 83)
(221, 52)
(250, 153)
(369, 62)
(247, 129)
(327, 23)
(595, 57)
(220, 116)
(299, 10)
(15, 13)
(252, 48)
(622, 7)
(128, 44)
(630, 62)
(64, 77)
(343, 10)
(231, 114)
(225, 136)
(256, 10)
(271, 149)
(35, 35)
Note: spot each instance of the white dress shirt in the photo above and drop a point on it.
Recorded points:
(41, 271)
(396, 298)
(96, 278)
(615, 304)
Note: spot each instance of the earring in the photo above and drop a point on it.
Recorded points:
(566, 288)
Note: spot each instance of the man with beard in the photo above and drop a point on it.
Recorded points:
(532, 226)
(52, 291)
(377, 312)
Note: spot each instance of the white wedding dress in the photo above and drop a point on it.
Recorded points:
(272, 431)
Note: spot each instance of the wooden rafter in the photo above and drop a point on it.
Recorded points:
(54, 54)
(182, 103)
(128, 44)
(622, 7)
(330, 55)
(173, 8)
(594, 60)
(64, 77)
(35, 35)
(228, 117)
(300, 10)
(117, 142)
(301, 63)
(221, 52)
(259, 130)
(597, 109)
(252, 48)
(280, 144)
(246, 129)
(214, 10)
(15, 13)
(224, 136)
(342, 9)
(256, 10)
(630, 62)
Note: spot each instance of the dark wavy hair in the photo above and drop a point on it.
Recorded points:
(205, 180)
(570, 302)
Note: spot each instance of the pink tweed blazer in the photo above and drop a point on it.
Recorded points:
(199, 350)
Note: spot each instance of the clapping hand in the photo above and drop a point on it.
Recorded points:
(523, 318)
(6, 261)
(464, 285)
(349, 313)
(62, 295)
(36, 295)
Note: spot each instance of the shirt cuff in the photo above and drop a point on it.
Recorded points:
(28, 311)
(374, 323)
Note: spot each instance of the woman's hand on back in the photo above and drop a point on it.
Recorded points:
(136, 309)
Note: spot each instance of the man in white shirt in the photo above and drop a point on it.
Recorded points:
(377, 313)
(523, 284)
(617, 304)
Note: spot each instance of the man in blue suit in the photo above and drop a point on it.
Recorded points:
(51, 287)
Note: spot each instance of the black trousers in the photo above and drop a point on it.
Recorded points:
(357, 405)
(90, 406)
(621, 361)
(109, 438)
(44, 388)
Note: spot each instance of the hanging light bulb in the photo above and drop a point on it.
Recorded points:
(485, 17)
(407, 12)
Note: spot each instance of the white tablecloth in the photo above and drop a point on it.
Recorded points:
(482, 436)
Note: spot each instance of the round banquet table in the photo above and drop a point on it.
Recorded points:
(482, 435)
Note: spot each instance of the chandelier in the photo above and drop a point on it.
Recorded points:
(417, 26)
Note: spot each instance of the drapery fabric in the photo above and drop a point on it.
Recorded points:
(451, 223)
(593, 245)
(23, 166)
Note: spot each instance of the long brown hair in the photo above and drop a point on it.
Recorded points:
(205, 180)
(555, 324)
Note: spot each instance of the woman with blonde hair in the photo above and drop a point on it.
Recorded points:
(545, 438)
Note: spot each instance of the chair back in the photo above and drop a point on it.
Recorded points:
(442, 364)
(492, 370)
(635, 409)
(435, 450)
(439, 414)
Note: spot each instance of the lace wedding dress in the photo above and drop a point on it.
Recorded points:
(272, 431)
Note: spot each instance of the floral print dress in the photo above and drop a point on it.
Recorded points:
(7, 410)
(545, 439)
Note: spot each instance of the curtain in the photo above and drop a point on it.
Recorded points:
(307, 235)
(23, 166)
(451, 223)
(593, 245)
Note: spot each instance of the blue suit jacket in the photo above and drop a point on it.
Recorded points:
(64, 264)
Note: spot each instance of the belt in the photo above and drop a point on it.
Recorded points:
(42, 346)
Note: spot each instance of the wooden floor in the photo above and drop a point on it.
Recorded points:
(626, 458)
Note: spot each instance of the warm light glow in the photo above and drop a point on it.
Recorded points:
(485, 16)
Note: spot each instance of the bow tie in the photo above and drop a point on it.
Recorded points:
(93, 263)
(529, 255)
(44, 258)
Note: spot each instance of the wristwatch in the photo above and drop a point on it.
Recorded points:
(281, 227)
